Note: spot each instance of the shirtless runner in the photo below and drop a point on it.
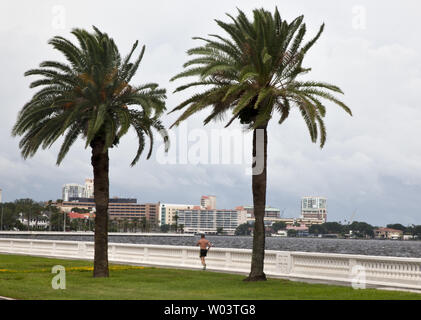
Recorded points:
(204, 247)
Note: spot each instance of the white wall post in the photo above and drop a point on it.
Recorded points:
(352, 263)
(291, 261)
(228, 260)
(81, 247)
(183, 257)
(112, 252)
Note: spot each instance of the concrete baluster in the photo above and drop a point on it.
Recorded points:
(278, 263)
(291, 267)
(184, 257)
(228, 260)
(352, 263)
(81, 248)
(113, 249)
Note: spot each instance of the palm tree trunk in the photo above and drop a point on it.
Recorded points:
(259, 180)
(100, 163)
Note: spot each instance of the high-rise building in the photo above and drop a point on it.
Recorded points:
(151, 212)
(89, 188)
(314, 208)
(269, 212)
(200, 220)
(168, 211)
(118, 208)
(208, 202)
(72, 190)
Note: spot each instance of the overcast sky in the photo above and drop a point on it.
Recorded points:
(371, 163)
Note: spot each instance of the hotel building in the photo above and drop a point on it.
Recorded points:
(74, 190)
(314, 208)
(117, 208)
(269, 212)
(168, 211)
(199, 220)
(208, 202)
(272, 215)
(88, 191)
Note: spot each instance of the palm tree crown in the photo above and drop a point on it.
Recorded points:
(254, 73)
(89, 96)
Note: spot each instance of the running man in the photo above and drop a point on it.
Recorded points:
(204, 247)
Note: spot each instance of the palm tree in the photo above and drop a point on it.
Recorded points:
(91, 96)
(136, 223)
(119, 224)
(176, 222)
(254, 74)
(125, 224)
(143, 223)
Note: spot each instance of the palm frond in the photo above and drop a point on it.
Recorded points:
(256, 64)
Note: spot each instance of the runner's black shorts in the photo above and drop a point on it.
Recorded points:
(203, 252)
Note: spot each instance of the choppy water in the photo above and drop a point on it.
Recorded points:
(350, 246)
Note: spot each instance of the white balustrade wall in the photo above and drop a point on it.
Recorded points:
(393, 272)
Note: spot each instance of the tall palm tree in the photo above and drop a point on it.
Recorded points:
(176, 222)
(90, 96)
(254, 73)
(143, 223)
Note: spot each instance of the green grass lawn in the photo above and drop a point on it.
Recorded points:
(23, 277)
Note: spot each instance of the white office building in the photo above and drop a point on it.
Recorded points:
(168, 211)
(75, 190)
(314, 208)
(72, 190)
(88, 188)
(199, 220)
(208, 202)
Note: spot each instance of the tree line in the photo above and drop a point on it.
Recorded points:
(27, 215)
(358, 229)
(361, 229)
(30, 210)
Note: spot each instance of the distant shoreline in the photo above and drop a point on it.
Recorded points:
(91, 233)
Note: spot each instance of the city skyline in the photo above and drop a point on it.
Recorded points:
(297, 213)
(367, 166)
